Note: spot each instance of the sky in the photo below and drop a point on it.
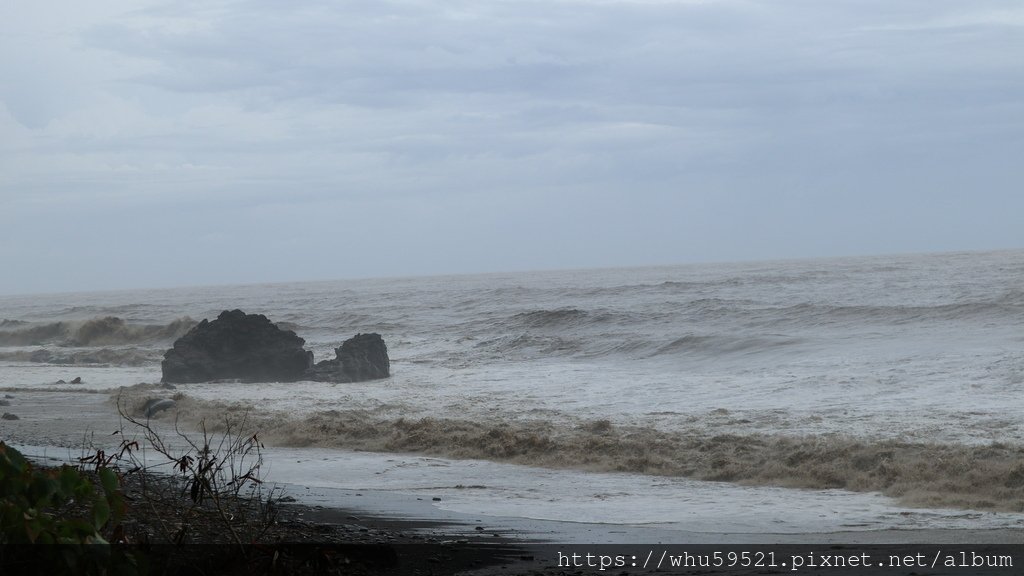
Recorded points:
(150, 143)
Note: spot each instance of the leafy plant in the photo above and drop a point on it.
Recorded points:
(60, 506)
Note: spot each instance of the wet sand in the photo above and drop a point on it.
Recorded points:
(437, 541)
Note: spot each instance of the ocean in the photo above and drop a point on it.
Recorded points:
(802, 396)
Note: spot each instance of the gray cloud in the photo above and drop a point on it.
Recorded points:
(246, 138)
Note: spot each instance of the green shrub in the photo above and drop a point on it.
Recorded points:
(34, 504)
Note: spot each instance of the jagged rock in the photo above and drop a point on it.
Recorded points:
(246, 347)
(362, 357)
(250, 348)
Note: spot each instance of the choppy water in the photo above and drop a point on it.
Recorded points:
(902, 375)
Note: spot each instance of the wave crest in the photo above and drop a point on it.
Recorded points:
(714, 346)
(100, 356)
(102, 331)
(921, 474)
(557, 318)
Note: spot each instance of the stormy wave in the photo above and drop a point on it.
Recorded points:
(100, 331)
(989, 476)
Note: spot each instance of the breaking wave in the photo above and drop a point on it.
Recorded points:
(625, 346)
(565, 318)
(561, 317)
(721, 345)
(101, 356)
(8, 324)
(526, 345)
(1011, 304)
(917, 474)
(705, 327)
(103, 331)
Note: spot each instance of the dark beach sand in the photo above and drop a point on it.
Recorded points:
(347, 532)
(311, 539)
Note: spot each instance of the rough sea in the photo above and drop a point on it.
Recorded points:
(769, 397)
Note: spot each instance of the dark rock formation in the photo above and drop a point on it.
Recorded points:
(236, 345)
(250, 348)
(362, 357)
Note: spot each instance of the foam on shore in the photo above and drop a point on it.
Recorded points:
(983, 476)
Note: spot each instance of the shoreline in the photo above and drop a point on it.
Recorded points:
(409, 511)
(162, 524)
(364, 540)
(476, 544)
(874, 480)
(404, 511)
(314, 539)
(382, 531)
(400, 513)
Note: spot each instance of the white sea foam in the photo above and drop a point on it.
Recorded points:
(905, 355)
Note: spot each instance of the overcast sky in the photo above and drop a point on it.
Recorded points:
(147, 144)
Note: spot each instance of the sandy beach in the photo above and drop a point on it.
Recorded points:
(426, 538)
(355, 536)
